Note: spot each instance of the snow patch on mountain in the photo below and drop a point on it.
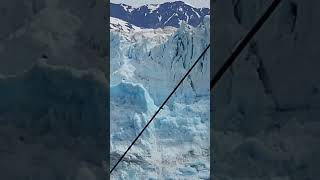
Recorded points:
(127, 7)
(159, 15)
(120, 25)
(153, 7)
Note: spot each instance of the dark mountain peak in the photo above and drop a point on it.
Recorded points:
(175, 3)
(159, 15)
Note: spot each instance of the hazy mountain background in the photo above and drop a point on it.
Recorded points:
(159, 15)
(193, 3)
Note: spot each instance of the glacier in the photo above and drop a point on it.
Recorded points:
(146, 64)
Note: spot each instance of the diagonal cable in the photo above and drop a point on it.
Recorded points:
(243, 43)
(159, 109)
(219, 74)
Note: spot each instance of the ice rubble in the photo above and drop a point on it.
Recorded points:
(144, 69)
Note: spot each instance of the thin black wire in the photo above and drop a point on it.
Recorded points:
(243, 43)
(159, 109)
(219, 74)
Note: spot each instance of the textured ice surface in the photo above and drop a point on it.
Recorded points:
(146, 64)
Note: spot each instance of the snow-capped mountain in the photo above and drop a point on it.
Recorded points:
(159, 15)
(146, 64)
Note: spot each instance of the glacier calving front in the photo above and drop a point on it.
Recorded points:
(146, 64)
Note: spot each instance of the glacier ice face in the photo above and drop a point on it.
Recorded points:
(146, 64)
(159, 66)
(130, 105)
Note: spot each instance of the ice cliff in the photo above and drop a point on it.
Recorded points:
(146, 64)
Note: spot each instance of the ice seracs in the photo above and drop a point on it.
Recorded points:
(146, 64)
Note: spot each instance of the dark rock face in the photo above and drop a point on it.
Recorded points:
(53, 89)
(159, 16)
(265, 115)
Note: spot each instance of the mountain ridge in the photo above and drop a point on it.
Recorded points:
(159, 15)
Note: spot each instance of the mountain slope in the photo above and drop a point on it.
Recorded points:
(159, 15)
